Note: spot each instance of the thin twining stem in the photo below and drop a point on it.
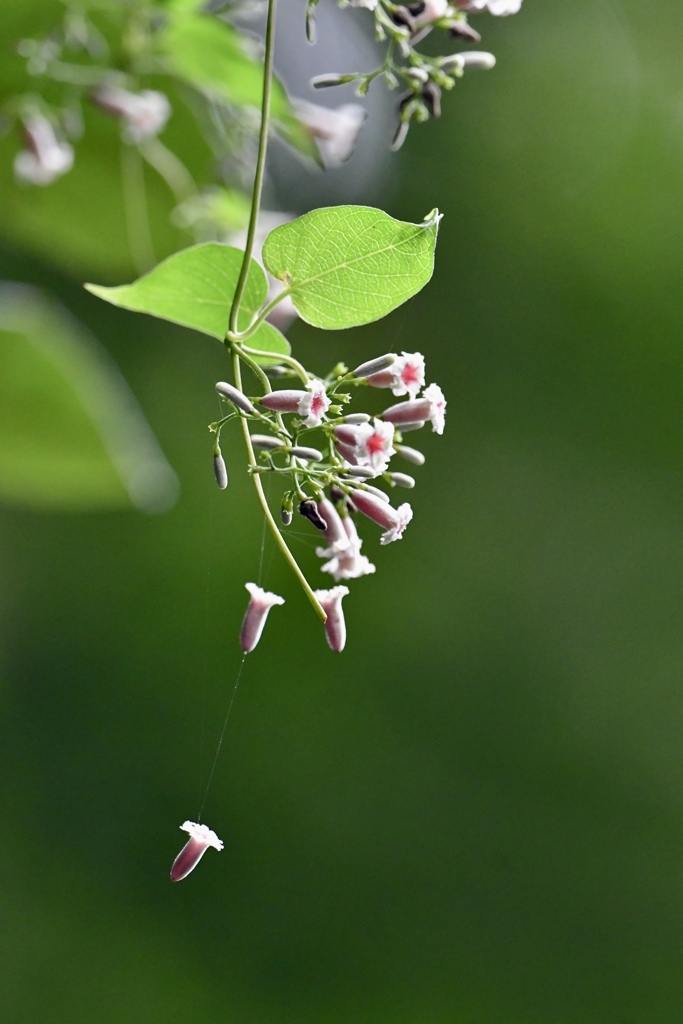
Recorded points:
(260, 169)
(264, 504)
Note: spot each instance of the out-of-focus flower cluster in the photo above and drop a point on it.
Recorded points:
(424, 78)
(331, 462)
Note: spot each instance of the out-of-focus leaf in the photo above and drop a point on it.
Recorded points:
(195, 288)
(211, 55)
(72, 435)
(349, 265)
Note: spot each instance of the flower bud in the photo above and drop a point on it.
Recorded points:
(454, 62)
(335, 627)
(309, 510)
(374, 365)
(327, 81)
(382, 495)
(431, 94)
(402, 480)
(410, 454)
(400, 136)
(201, 838)
(256, 614)
(231, 394)
(220, 471)
(286, 516)
(360, 472)
(312, 454)
(478, 60)
(355, 418)
(265, 443)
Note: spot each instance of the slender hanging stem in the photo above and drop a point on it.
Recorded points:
(264, 504)
(260, 168)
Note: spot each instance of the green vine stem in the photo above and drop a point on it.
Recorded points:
(264, 504)
(233, 337)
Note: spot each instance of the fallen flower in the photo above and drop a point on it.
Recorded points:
(201, 838)
(255, 616)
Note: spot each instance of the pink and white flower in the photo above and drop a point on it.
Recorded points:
(144, 114)
(347, 563)
(201, 838)
(366, 444)
(312, 404)
(335, 626)
(256, 614)
(433, 11)
(405, 376)
(46, 156)
(334, 532)
(394, 520)
(335, 130)
(430, 406)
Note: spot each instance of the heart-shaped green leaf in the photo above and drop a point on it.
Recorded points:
(195, 288)
(348, 265)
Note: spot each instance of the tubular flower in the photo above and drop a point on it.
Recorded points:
(430, 406)
(368, 444)
(311, 404)
(256, 614)
(144, 114)
(394, 520)
(45, 158)
(335, 534)
(348, 563)
(405, 376)
(335, 627)
(335, 131)
(201, 838)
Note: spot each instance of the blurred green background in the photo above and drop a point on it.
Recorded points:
(475, 814)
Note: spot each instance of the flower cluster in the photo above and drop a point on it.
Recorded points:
(424, 77)
(329, 480)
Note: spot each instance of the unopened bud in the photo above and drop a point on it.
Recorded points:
(402, 480)
(278, 370)
(327, 81)
(312, 454)
(417, 74)
(231, 394)
(265, 443)
(220, 471)
(431, 94)
(360, 472)
(357, 417)
(376, 491)
(311, 29)
(400, 136)
(286, 516)
(309, 510)
(452, 63)
(374, 365)
(479, 60)
(410, 454)
(461, 29)
(287, 508)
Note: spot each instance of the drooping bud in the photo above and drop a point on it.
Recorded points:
(220, 471)
(374, 366)
(335, 627)
(265, 443)
(231, 394)
(256, 614)
(287, 509)
(312, 454)
(393, 520)
(402, 480)
(410, 454)
(400, 136)
(201, 838)
(431, 94)
(309, 510)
